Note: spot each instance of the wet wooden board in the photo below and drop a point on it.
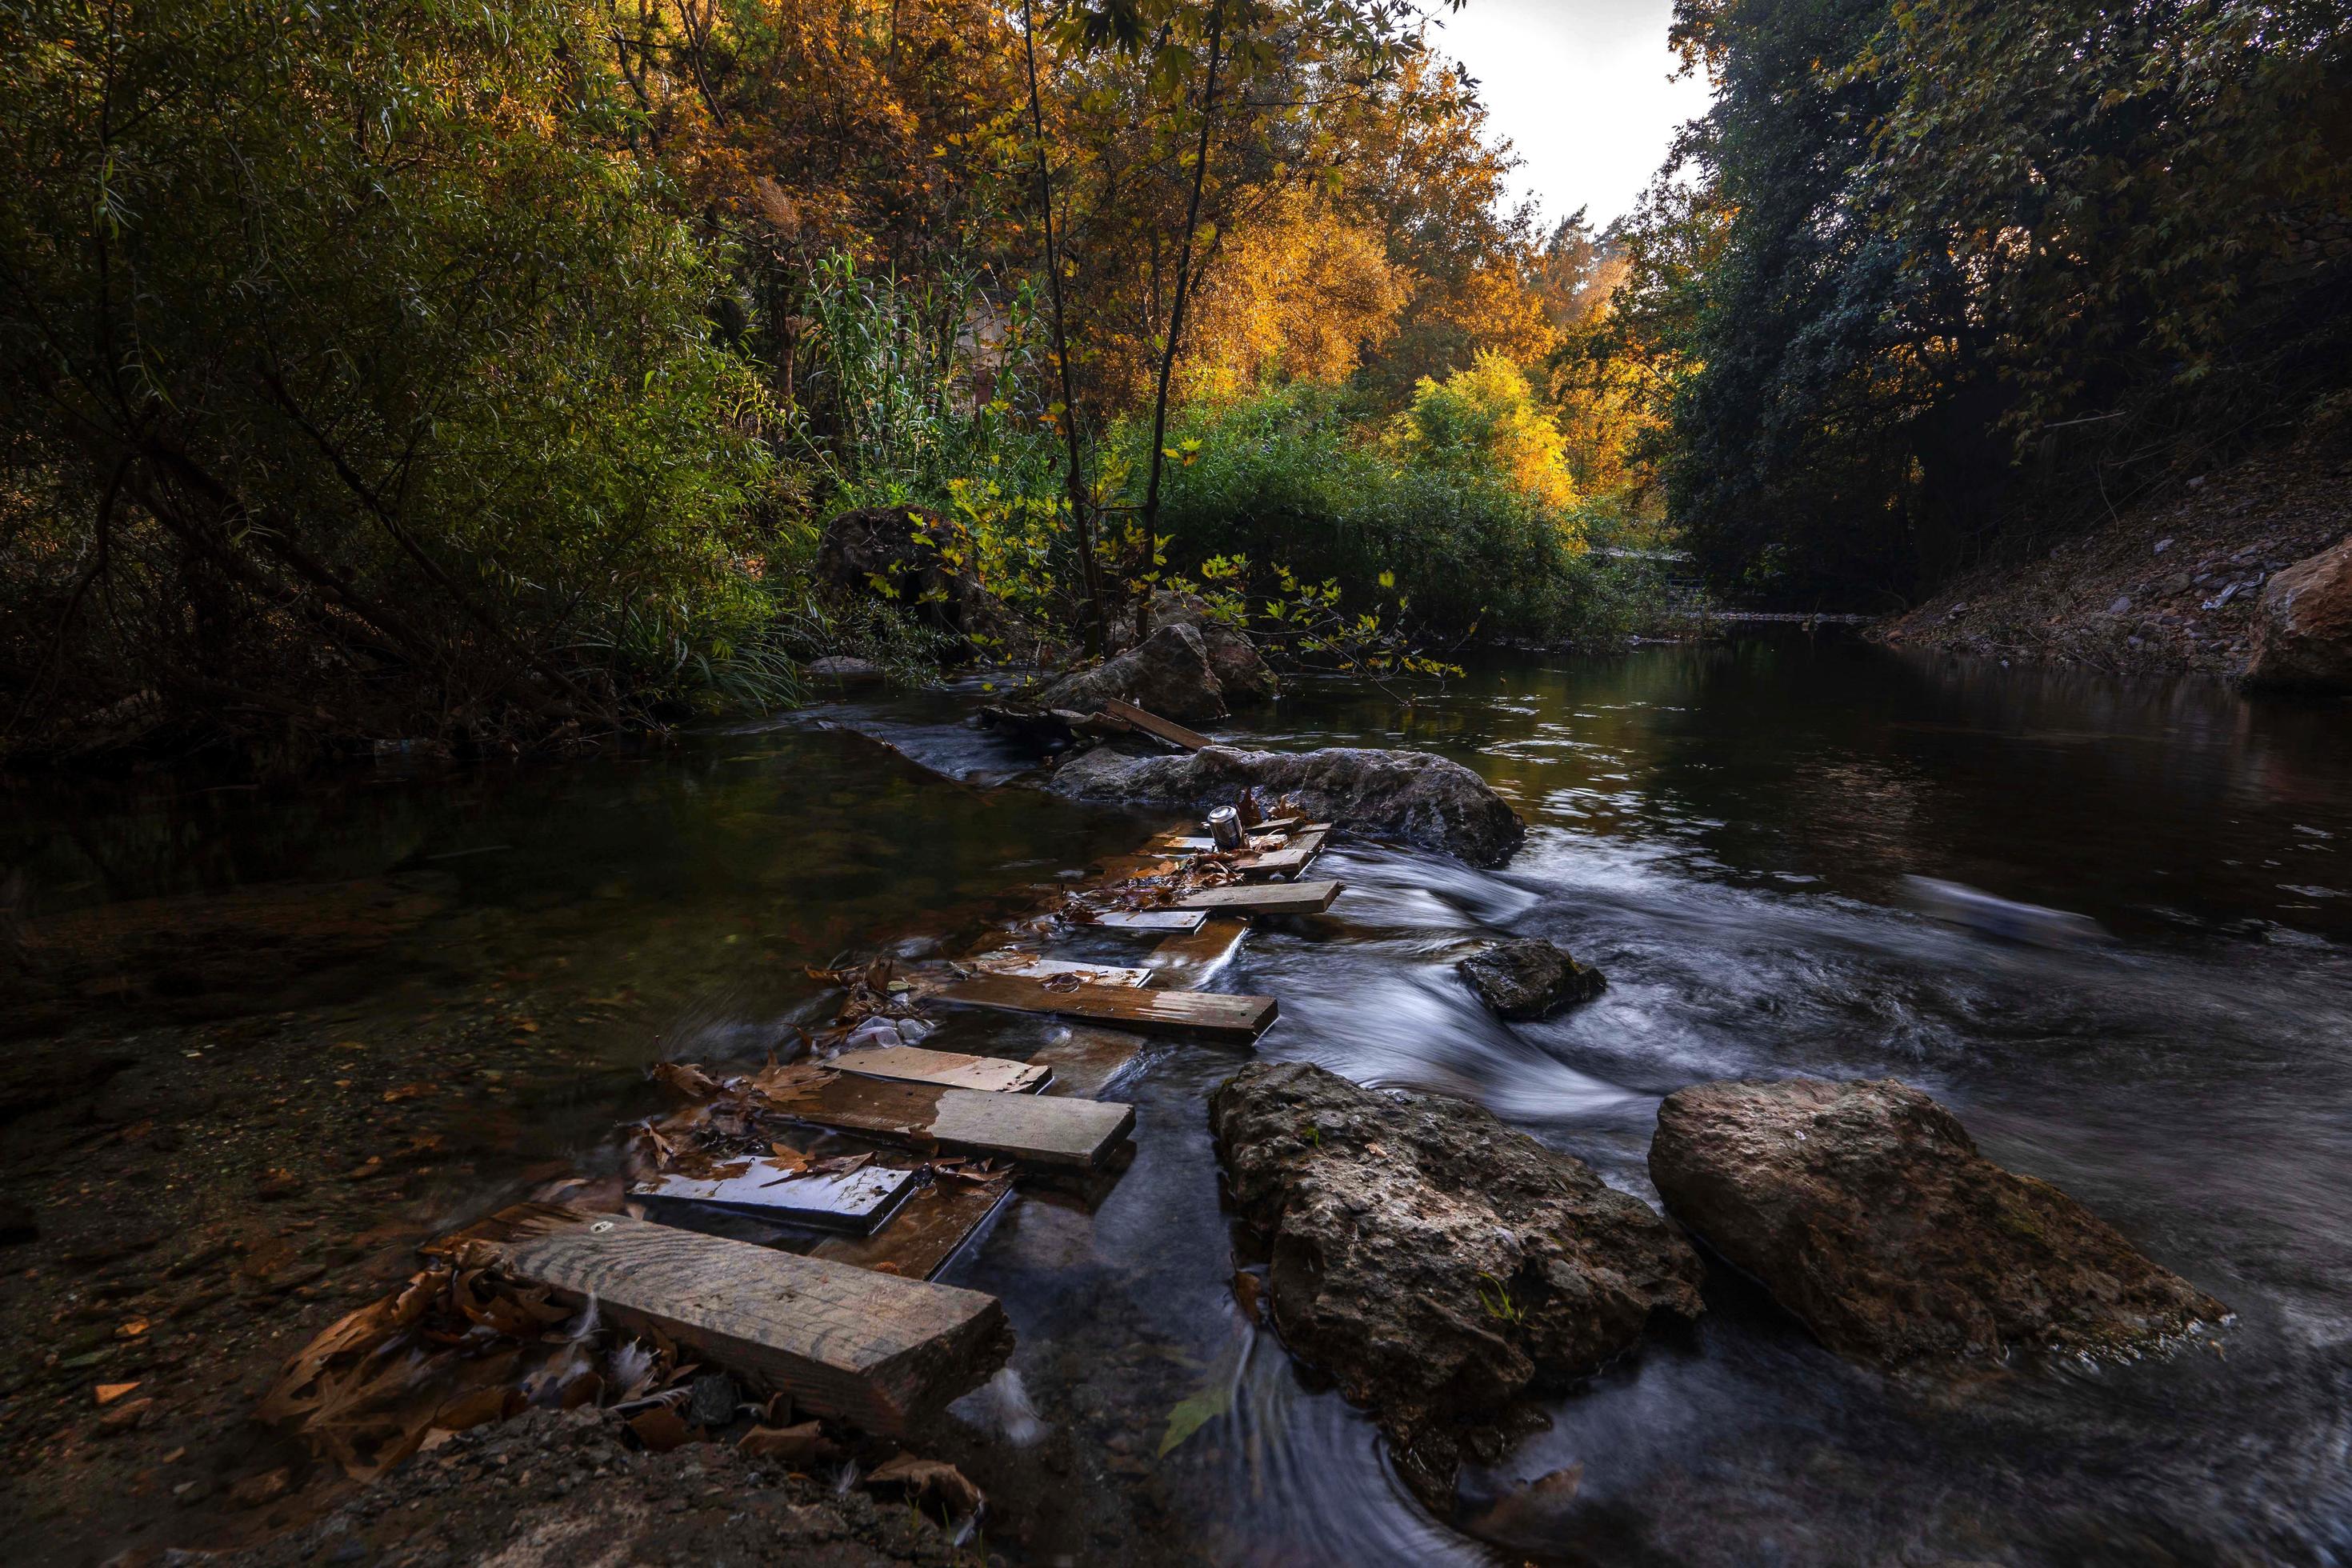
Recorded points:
(1288, 860)
(860, 1201)
(1027, 967)
(951, 1069)
(1088, 1060)
(1149, 922)
(927, 1231)
(1051, 1131)
(1265, 899)
(1152, 724)
(1187, 958)
(1145, 1010)
(883, 1352)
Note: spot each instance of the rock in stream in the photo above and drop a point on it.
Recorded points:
(1867, 1211)
(1529, 978)
(1415, 796)
(1436, 1262)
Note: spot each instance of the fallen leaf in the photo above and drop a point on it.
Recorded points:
(410, 1091)
(660, 1429)
(107, 1392)
(132, 1330)
(131, 1413)
(802, 1445)
(930, 1480)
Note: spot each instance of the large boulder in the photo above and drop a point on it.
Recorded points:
(1434, 1261)
(2303, 627)
(1241, 671)
(1867, 1211)
(1168, 672)
(1528, 978)
(1413, 796)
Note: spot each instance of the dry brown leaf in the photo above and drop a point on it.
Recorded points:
(660, 1429)
(802, 1445)
(107, 1392)
(929, 1481)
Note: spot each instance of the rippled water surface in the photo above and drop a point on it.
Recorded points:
(1721, 829)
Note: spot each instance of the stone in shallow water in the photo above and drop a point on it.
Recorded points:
(1867, 1211)
(1167, 673)
(1416, 796)
(1529, 978)
(1434, 1261)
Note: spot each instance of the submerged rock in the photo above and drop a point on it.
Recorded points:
(1866, 1209)
(2303, 626)
(844, 668)
(1168, 672)
(1415, 796)
(1529, 978)
(1434, 1260)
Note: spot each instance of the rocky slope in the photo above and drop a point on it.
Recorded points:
(2172, 583)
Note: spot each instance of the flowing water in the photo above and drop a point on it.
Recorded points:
(1723, 830)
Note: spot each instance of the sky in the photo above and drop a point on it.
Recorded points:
(1579, 86)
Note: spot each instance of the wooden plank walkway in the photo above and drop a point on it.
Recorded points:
(926, 1232)
(1049, 1130)
(861, 1201)
(1268, 899)
(1189, 957)
(1144, 1010)
(1027, 966)
(1149, 922)
(1152, 724)
(949, 1070)
(882, 1351)
(1291, 858)
(1088, 1060)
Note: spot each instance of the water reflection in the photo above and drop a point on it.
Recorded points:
(1723, 830)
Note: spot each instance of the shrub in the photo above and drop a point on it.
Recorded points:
(1287, 477)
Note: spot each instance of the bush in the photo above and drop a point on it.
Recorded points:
(1287, 477)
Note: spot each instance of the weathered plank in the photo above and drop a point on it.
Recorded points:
(1152, 724)
(1288, 860)
(1187, 958)
(860, 1201)
(1030, 967)
(928, 1231)
(951, 1069)
(880, 1352)
(1265, 899)
(1146, 1010)
(1088, 1060)
(1149, 922)
(1051, 1131)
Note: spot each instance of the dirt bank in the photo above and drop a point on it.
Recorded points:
(2170, 584)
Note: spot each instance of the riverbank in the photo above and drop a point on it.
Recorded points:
(2171, 586)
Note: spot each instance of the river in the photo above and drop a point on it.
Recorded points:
(1723, 830)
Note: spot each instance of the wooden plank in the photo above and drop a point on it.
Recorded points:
(1262, 898)
(1288, 860)
(860, 1201)
(1152, 724)
(882, 1353)
(1088, 1060)
(927, 1232)
(1051, 1131)
(1149, 922)
(1189, 957)
(1030, 967)
(953, 1069)
(1147, 1011)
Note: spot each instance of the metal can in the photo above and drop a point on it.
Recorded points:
(1226, 827)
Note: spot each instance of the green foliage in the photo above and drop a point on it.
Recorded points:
(349, 373)
(1289, 476)
(1940, 262)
